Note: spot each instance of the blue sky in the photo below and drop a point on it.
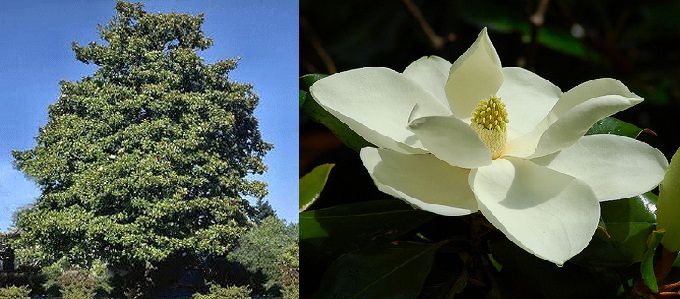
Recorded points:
(35, 54)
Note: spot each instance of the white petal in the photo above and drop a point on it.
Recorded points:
(451, 140)
(528, 98)
(576, 111)
(474, 76)
(592, 89)
(430, 72)
(613, 166)
(548, 213)
(422, 180)
(376, 103)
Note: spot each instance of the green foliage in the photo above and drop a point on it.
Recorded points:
(53, 274)
(217, 292)
(289, 267)
(624, 228)
(334, 231)
(312, 184)
(396, 270)
(6, 250)
(148, 157)
(75, 282)
(549, 281)
(647, 265)
(262, 210)
(262, 249)
(291, 292)
(15, 292)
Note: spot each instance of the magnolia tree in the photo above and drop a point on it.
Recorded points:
(543, 191)
(146, 161)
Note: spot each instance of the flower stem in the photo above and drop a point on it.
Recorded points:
(661, 269)
(665, 263)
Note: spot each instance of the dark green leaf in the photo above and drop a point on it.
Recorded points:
(551, 281)
(507, 17)
(499, 290)
(677, 262)
(647, 265)
(449, 274)
(610, 125)
(303, 97)
(502, 16)
(395, 270)
(312, 184)
(628, 222)
(460, 283)
(340, 229)
(658, 22)
(564, 42)
(306, 81)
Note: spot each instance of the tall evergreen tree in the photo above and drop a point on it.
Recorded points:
(146, 159)
(262, 210)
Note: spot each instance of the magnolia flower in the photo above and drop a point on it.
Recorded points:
(454, 139)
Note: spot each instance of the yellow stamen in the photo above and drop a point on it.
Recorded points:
(489, 119)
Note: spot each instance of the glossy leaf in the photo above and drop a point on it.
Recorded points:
(395, 270)
(551, 281)
(564, 42)
(312, 184)
(625, 223)
(303, 97)
(647, 265)
(677, 262)
(610, 125)
(333, 231)
(310, 107)
(502, 16)
(307, 80)
(628, 222)
(449, 274)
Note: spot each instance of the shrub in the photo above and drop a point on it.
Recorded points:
(261, 250)
(77, 284)
(15, 292)
(291, 292)
(74, 282)
(232, 292)
(289, 266)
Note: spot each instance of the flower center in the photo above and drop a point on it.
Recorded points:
(489, 119)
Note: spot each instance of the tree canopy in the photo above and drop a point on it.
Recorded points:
(147, 158)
